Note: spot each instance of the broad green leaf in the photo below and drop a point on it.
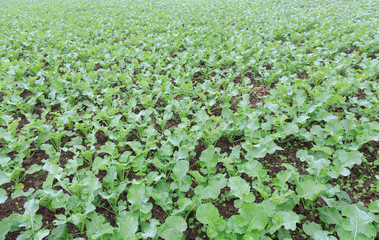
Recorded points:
(29, 218)
(128, 227)
(4, 177)
(110, 177)
(326, 150)
(310, 189)
(6, 224)
(374, 206)
(3, 196)
(240, 188)
(151, 231)
(97, 227)
(172, 228)
(359, 222)
(41, 234)
(182, 181)
(202, 116)
(208, 214)
(109, 148)
(124, 158)
(59, 233)
(208, 160)
(252, 216)
(253, 168)
(197, 176)
(330, 216)
(100, 164)
(180, 169)
(348, 159)
(166, 149)
(181, 154)
(287, 219)
(138, 199)
(4, 160)
(212, 190)
(315, 230)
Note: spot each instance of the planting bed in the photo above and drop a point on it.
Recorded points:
(189, 119)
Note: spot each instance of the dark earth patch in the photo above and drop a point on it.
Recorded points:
(34, 180)
(157, 212)
(25, 93)
(36, 158)
(101, 138)
(224, 144)
(12, 206)
(256, 96)
(227, 209)
(64, 157)
(105, 209)
(194, 161)
(194, 229)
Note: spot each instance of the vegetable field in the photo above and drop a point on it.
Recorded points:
(189, 119)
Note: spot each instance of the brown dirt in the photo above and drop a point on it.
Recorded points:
(38, 109)
(56, 108)
(216, 111)
(197, 77)
(373, 55)
(23, 121)
(256, 96)
(358, 192)
(172, 123)
(64, 157)
(267, 66)
(371, 156)
(36, 158)
(290, 145)
(101, 138)
(12, 206)
(133, 136)
(353, 49)
(74, 230)
(234, 104)
(247, 178)
(173, 54)
(311, 215)
(193, 233)
(97, 67)
(34, 180)
(101, 175)
(238, 80)
(361, 95)
(182, 49)
(303, 74)
(105, 210)
(224, 144)
(227, 209)
(194, 162)
(25, 93)
(132, 175)
(48, 216)
(157, 212)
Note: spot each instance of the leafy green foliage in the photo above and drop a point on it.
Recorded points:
(208, 214)
(252, 216)
(128, 226)
(173, 228)
(158, 119)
